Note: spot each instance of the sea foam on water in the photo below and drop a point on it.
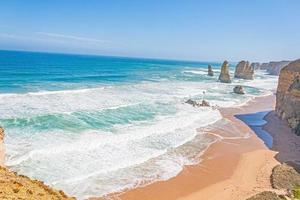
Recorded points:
(114, 133)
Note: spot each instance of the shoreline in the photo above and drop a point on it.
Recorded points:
(222, 168)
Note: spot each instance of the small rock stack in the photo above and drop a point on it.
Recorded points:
(238, 89)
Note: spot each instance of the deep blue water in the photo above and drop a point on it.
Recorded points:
(32, 72)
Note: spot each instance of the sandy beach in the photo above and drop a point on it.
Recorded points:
(230, 168)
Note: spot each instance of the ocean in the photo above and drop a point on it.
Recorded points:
(92, 125)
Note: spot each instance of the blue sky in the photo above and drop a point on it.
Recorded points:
(211, 30)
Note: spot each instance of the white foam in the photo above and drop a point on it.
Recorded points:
(83, 159)
(202, 72)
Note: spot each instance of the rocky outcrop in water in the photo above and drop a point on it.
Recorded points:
(238, 89)
(210, 71)
(224, 75)
(204, 104)
(273, 67)
(288, 95)
(197, 104)
(244, 70)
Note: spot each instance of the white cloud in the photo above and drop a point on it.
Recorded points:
(72, 37)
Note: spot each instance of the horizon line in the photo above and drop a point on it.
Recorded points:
(130, 57)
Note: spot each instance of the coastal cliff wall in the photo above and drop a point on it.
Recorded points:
(14, 186)
(288, 95)
(272, 67)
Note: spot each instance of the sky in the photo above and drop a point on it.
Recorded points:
(206, 30)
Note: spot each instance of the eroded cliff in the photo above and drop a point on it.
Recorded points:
(288, 95)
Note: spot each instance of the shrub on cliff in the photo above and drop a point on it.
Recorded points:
(296, 192)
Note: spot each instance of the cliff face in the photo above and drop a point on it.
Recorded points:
(224, 75)
(288, 95)
(14, 186)
(274, 68)
(244, 70)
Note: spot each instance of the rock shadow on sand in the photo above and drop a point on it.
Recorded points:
(256, 122)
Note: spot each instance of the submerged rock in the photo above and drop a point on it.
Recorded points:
(288, 95)
(192, 102)
(204, 103)
(196, 104)
(244, 70)
(239, 89)
(210, 71)
(224, 75)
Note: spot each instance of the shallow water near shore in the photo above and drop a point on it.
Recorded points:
(94, 125)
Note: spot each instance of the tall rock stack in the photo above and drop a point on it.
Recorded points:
(244, 70)
(210, 71)
(288, 95)
(224, 75)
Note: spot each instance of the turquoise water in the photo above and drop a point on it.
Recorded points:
(92, 125)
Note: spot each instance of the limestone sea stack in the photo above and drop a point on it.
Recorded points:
(288, 95)
(210, 71)
(224, 75)
(244, 70)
